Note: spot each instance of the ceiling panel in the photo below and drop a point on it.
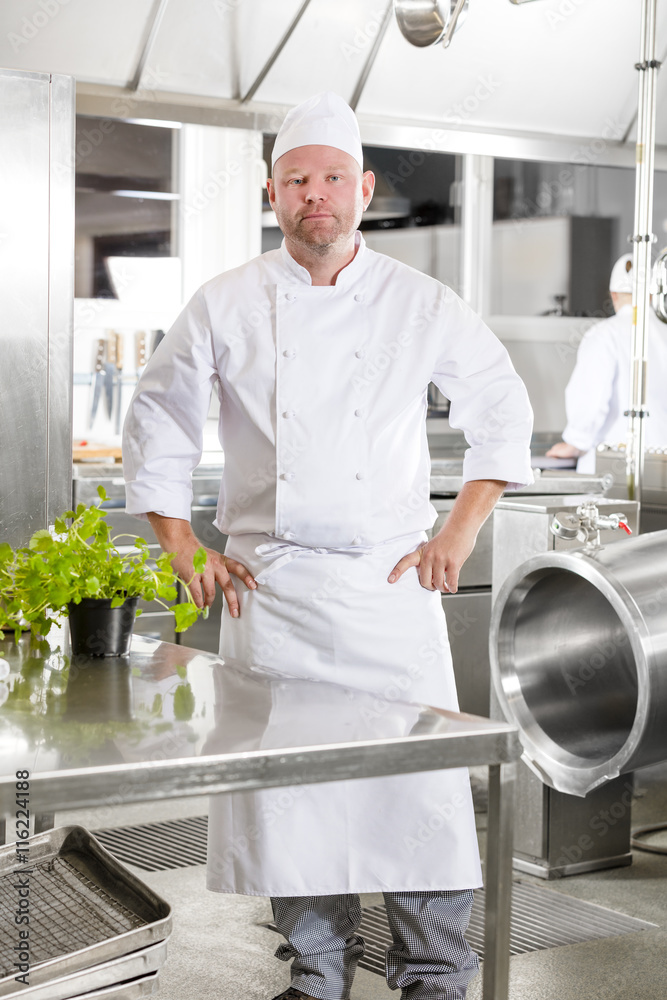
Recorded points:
(561, 67)
(327, 51)
(99, 41)
(194, 51)
(525, 67)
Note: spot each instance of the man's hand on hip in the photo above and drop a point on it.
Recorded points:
(176, 535)
(439, 560)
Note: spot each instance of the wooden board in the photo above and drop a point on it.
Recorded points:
(87, 452)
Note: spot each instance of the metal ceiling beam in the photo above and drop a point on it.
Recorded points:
(375, 48)
(266, 68)
(116, 103)
(155, 20)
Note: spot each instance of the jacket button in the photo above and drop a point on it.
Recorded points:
(288, 534)
(359, 413)
(360, 353)
(290, 296)
(287, 476)
(356, 540)
(358, 298)
(288, 414)
(360, 475)
(289, 353)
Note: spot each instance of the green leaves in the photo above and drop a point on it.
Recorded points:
(41, 541)
(186, 615)
(199, 560)
(80, 559)
(184, 702)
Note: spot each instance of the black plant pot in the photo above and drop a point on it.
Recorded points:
(97, 629)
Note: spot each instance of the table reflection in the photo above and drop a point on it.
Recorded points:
(168, 702)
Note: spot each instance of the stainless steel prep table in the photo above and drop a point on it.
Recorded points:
(101, 732)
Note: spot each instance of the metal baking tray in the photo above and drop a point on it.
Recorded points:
(85, 908)
(116, 973)
(136, 988)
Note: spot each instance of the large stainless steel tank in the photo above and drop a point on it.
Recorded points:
(578, 647)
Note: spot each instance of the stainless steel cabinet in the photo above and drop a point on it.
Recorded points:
(36, 299)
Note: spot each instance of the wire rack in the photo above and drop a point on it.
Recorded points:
(67, 912)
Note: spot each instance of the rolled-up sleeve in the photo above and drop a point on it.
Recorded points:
(163, 431)
(489, 402)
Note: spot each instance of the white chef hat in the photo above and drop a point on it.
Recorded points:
(621, 274)
(323, 120)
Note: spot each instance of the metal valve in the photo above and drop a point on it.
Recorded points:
(586, 523)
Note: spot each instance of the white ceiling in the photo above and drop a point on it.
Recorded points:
(554, 67)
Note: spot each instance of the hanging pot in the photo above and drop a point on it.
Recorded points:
(425, 22)
(97, 629)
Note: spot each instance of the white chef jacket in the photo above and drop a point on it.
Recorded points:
(322, 401)
(598, 392)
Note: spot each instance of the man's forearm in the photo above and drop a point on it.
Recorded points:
(173, 533)
(473, 505)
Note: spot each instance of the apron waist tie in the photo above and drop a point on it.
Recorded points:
(285, 552)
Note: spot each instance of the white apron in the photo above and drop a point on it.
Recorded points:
(331, 615)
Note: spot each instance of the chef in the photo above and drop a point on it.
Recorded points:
(321, 353)
(598, 393)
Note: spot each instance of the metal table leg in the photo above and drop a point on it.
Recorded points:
(498, 890)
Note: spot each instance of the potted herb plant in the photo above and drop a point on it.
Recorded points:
(78, 570)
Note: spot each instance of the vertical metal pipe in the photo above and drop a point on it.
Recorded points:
(498, 909)
(642, 241)
(476, 231)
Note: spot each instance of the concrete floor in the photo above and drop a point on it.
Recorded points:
(218, 951)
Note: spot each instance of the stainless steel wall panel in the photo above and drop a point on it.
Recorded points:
(24, 302)
(61, 295)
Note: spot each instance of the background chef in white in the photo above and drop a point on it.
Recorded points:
(598, 393)
(321, 353)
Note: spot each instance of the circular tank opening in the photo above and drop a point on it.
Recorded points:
(573, 662)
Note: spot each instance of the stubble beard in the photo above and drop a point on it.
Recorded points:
(339, 231)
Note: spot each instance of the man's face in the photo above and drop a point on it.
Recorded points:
(318, 194)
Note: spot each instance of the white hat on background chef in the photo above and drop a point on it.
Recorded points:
(621, 275)
(323, 120)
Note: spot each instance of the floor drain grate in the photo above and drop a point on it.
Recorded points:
(155, 847)
(541, 918)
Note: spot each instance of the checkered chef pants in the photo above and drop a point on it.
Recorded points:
(429, 959)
